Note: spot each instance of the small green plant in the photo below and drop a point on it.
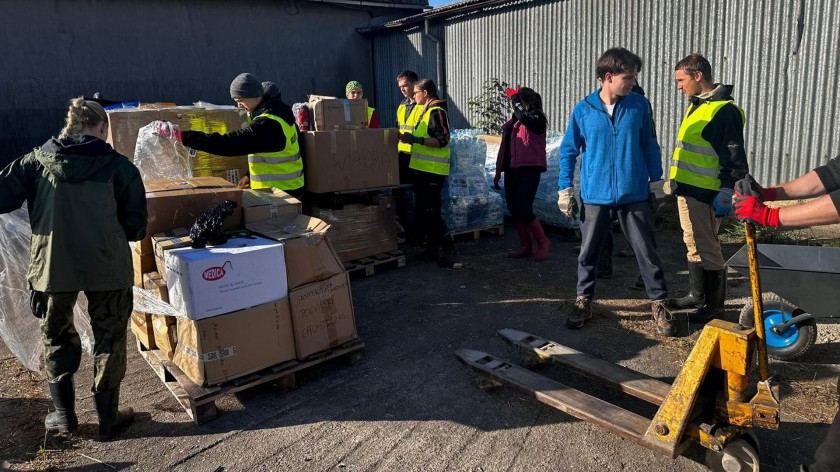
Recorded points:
(491, 106)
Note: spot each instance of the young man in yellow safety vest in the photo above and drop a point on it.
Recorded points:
(406, 120)
(271, 140)
(708, 159)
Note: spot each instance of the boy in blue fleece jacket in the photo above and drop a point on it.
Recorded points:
(621, 166)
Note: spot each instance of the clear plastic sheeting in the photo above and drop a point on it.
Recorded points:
(161, 158)
(19, 329)
(467, 151)
(147, 302)
(468, 202)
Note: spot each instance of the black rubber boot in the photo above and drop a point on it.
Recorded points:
(447, 261)
(63, 396)
(715, 297)
(696, 288)
(112, 419)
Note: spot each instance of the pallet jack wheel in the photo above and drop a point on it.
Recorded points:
(737, 456)
(795, 341)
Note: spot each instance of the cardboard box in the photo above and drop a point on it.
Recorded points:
(221, 279)
(162, 242)
(224, 347)
(178, 203)
(141, 265)
(359, 231)
(322, 315)
(141, 326)
(259, 205)
(350, 160)
(339, 113)
(165, 330)
(154, 283)
(310, 257)
(125, 124)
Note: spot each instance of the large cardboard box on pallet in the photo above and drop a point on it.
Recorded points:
(338, 113)
(239, 274)
(350, 160)
(162, 242)
(259, 205)
(225, 347)
(310, 256)
(163, 327)
(322, 315)
(359, 230)
(125, 124)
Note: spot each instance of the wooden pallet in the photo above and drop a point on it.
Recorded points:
(200, 402)
(475, 234)
(368, 266)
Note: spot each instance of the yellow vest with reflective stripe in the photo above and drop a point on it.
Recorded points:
(406, 124)
(370, 115)
(427, 158)
(284, 169)
(695, 161)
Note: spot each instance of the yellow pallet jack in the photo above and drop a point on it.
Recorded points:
(706, 404)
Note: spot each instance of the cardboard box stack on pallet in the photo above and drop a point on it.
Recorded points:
(344, 156)
(267, 296)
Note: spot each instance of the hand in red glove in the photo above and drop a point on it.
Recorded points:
(511, 92)
(168, 130)
(750, 209)
(749, 185)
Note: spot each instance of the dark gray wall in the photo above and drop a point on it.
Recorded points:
(177, 51)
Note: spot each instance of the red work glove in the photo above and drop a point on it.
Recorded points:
(168, 130)
(750, 209)
(511, 92)
(766, 194)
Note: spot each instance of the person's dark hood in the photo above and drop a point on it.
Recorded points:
(75, 158)
(276, 107)
(721, 92)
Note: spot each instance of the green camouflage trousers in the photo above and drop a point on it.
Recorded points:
(109, 313)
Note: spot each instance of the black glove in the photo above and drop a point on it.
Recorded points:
(409, 138)
(38, 304)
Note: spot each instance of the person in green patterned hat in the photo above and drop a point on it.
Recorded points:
(353, 90)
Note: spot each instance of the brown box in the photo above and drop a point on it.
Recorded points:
(125, 124)
(154, 283)
(214, 350)
(177, 203)
(322, 315)
(258, 205)
(142, 264)
(165, 330)
(350, 160)
(141, 326)
(310, 257)
(359, 231)
(339, 113)
(162, 242)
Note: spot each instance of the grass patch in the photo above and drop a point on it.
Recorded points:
(733, 232)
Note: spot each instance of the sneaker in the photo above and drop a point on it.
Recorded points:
(580, 312)
(639, 284)
(662, 317)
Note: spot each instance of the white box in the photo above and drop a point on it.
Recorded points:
(239, 274)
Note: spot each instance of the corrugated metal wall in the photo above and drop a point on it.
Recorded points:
(781, 56)
(178, 51)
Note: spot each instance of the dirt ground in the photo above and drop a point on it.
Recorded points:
(410, 405)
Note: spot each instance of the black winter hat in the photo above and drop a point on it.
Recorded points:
(245, 85)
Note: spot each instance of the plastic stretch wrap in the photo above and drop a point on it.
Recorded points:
(469, 203)
(360, 230)
(467, 151)
(147, 302)
(160, 158)
(19, 329)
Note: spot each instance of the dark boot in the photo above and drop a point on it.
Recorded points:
(525, 244)
(111, 418)
(663, 318)
(715, 281)
(63, 396)
(542, 240)
(696, 288)
(447, 260)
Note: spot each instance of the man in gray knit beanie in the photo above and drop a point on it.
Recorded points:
(245, 85)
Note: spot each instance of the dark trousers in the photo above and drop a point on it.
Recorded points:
(520, 189)
(427, 200)
(109, 313)
(402, 195)
(827, 457)
(636, 221)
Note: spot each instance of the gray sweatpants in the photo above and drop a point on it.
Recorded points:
(636, 221)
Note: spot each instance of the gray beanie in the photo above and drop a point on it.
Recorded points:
(271, 89)
(246, 85)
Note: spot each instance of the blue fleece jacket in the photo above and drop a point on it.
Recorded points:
(619, 156)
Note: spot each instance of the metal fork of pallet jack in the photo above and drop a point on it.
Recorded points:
(706, 403)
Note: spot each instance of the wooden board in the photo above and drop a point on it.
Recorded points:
(475, 234)
(368, 266)
(199, 402)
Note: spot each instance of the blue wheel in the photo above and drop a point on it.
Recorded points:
(793, 342)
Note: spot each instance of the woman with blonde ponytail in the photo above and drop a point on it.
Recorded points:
(85, 203)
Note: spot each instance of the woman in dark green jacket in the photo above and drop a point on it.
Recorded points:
(85, 203)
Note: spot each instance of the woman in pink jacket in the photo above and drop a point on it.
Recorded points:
(522, 159)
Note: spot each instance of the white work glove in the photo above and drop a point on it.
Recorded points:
(657, 189)
(567, 203)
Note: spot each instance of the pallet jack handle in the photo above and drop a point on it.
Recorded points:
(758, 306)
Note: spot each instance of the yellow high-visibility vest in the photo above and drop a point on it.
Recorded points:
(284, 169)
(426, 158)
(370, 115)
(695, 161)
(406, 123)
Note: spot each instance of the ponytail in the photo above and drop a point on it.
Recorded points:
(82, 114)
